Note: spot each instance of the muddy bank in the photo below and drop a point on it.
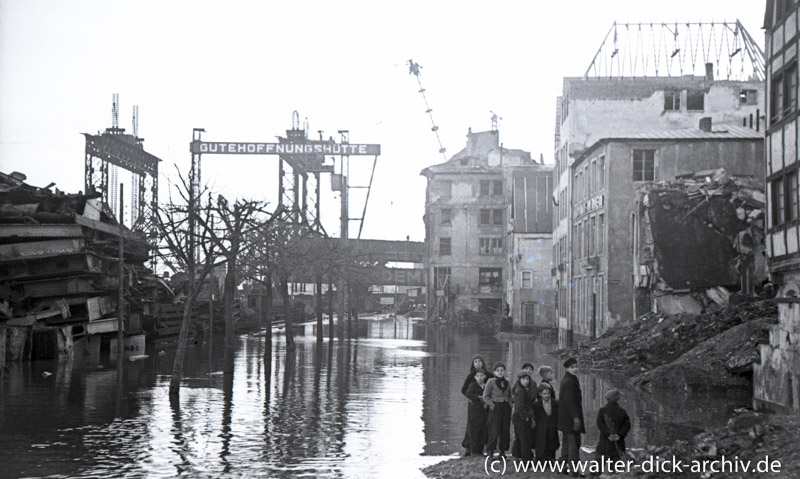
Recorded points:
(686, 351)
(755, 439)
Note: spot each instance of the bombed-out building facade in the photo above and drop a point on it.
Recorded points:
(620, 251)
(608, 131)
(776, 378)
(488, 221)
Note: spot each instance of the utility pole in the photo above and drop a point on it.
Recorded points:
(341, 287)
(120, 274)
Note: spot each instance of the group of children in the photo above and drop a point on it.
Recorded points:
(495, 404)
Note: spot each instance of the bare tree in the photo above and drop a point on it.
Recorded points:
(182, 245)
(233, 240)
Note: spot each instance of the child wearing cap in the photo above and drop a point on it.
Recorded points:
(614, 424)
(497, 395)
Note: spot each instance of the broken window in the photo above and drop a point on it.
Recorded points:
(485, 188)
(748, 97)
(444, 246)
(441, 277)
(497, 216)
(492, 246)
(672, 100)
(497, 188)
(694, 100)
(527, 279)
(490, 276)
(486, 217)
(445, 216)
(644, 165)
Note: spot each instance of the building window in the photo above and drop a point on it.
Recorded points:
(694, 100)
(492, 246)
(498, 216)
(441, 277)
(592, 235)
(486, 217)
(601, 234)
(784, 93)
(446, 216)
(644, 165)
(601, 173)
(784, 199)
(490, 277)
(491, 188)
(527, 279)
(444, 246)
(748, 97)
(672, 100)
(580, 240)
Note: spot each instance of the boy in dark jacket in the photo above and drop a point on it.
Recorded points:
(522, 418)
(614, 424)
(545, 413)
(477, 432)
(497, 395)
(570, 414)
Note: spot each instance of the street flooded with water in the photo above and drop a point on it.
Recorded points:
(386, 402)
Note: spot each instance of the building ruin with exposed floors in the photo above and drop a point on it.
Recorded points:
(488, 220)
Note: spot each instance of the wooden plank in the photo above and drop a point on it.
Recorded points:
(109, 229)
(66, 265)
(67, 287)
(41, 249)
(103, 326)
(21, 321)
(41, 231)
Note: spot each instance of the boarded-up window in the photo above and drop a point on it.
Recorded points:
(695, 100)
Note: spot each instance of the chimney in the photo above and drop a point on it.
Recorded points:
(705, 124)
(709, 72)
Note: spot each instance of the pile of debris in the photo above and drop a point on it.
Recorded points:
(59, 272)
(683, 350)
(701, 235)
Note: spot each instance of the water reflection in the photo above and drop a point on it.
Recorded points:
(386, 402)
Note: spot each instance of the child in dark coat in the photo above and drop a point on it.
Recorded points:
(497, 395)
(545, 413)
(522, 418)
(478, 363)
(614, 424)
(477, 431)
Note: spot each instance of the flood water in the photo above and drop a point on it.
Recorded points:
(385, 403)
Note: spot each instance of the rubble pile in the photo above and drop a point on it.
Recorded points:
(59, 267)
(724, 343)
(701, 233)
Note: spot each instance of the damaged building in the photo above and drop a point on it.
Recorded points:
(595, 107)
(488, 219)
(776, 378)
(697, 239)
(618, 182)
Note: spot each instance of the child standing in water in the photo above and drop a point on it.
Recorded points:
(497, 395)
(476, 415)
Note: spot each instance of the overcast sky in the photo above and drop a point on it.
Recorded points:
(239, 69)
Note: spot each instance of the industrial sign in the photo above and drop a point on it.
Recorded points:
(387, 300)
(589, 205)
(307, 148)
